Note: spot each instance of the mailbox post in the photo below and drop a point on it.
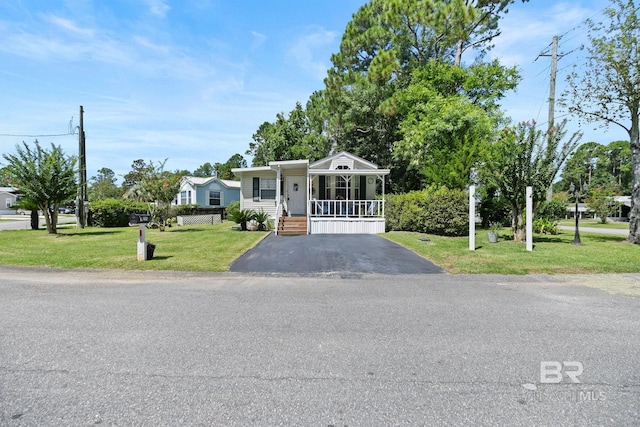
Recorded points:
(141, 220)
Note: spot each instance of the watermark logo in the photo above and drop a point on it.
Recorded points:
(552, 372)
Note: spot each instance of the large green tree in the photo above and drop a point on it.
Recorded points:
(224, 170)
(382, 48)
(290, 137)
(607, 88)
(449, 115)
(46, 178)
(158, 188)
(525, 156)
(103, 186)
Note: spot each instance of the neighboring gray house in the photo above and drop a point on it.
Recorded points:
(8, 199)
(207, 192)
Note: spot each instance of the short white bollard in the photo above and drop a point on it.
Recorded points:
(142, 243)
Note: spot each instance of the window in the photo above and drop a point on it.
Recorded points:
(185, 197)
(267, 188)
(215, 198)
(341, 187)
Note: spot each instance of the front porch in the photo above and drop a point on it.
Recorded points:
(346, 216)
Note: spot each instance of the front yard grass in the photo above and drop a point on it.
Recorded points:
(594, 223)
(212, 248)
(552, 254)
(189, 248)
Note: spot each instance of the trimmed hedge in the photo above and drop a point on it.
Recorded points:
(114, 212)
(435, 210)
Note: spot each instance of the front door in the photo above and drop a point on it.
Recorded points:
(296, 195)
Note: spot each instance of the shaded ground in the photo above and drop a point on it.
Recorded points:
(328, 253)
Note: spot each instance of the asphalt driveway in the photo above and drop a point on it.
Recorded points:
(332, 253)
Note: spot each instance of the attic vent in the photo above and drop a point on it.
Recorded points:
(341, 163)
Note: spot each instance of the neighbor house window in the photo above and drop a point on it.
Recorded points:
(215, 198)
(267, 188)
(185, 197)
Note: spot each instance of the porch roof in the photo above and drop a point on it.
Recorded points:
(343, 172)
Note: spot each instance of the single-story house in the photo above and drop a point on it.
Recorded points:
(8, 199)
(341, 193)
(207, 192)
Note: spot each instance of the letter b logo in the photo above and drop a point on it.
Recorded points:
(551, 371)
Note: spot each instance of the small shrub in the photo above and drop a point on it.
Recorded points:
(114, 212)
(436, 210)
(545, 226)
(447, 212)
(553, 210)
(261, 218)
(242, 217)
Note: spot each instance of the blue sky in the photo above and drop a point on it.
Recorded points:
(191, 80)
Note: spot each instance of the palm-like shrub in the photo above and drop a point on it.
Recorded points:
(261, 218)
(242, 216)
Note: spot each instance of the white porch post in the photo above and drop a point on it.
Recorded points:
(472, 217)
(529, 220)
(383, 201)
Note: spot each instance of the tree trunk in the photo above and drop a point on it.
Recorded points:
(634, 214)
(458, 59)
(34, 219)
(517, 225)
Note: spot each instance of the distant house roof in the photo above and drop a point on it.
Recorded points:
(196, 180)
(8, 190)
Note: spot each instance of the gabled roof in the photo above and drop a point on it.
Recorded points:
(345, 159)
(201, 181)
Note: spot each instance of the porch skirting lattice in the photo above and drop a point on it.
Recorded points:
(200, 219)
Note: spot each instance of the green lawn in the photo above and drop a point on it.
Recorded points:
(214, 247)
(595, 223)
(551, 254)
(188, 248)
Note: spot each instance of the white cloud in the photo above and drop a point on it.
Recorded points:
(158, 7)
(309, 52)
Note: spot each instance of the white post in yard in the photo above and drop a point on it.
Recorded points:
(472, 217)
(142, 244)
(529, 213)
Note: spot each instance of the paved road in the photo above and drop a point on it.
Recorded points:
(330, 253)
(20, 222)
(141, 348)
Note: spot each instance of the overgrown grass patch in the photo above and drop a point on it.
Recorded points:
(189, 248)
(551, 255)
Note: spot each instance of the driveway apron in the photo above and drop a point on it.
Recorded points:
(329, 253)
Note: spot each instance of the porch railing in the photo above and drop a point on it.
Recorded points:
(346, 208)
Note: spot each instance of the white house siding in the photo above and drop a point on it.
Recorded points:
(346, 226)
(246, 193)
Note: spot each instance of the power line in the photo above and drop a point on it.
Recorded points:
(71, 131)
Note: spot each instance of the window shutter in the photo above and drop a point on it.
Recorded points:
(363, 187)
(321, 187)
(256, 189)
(221, 198)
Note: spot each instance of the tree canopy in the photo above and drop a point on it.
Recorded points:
(526, 156)
(46, 178)
(607, 88)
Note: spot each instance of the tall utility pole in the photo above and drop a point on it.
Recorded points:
(552, 92)
(552, 84)
(81, 217)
